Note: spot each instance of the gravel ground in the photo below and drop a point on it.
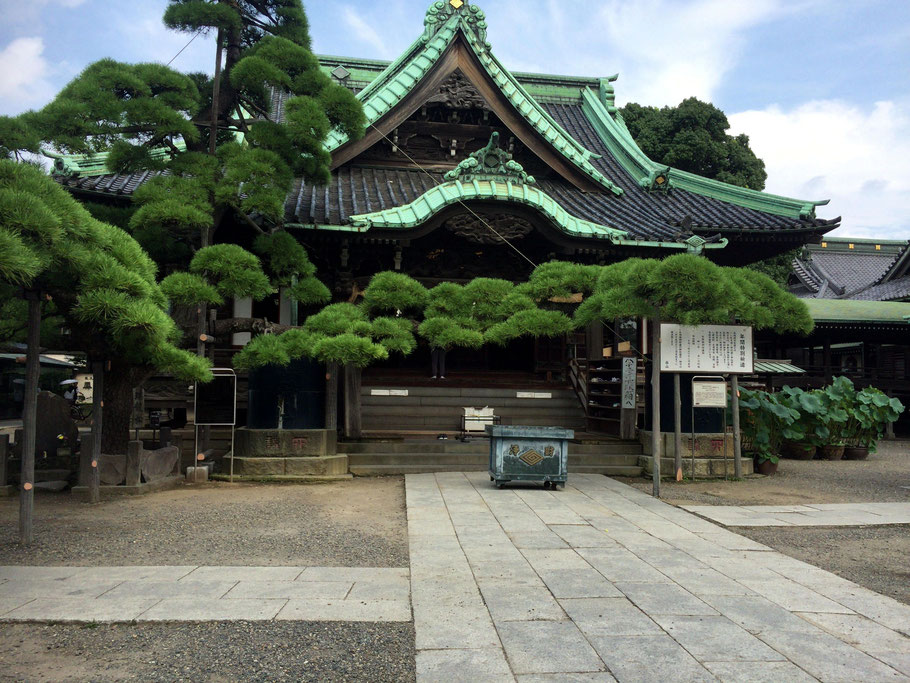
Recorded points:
(271, 651)
(872, 556)
(360, 522)
(883, 478)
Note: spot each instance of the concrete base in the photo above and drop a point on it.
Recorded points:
(705, 468)
(197, 475)
(706, 445)
(288, 478)
(330, 465)
(284, 443)
(109, 492)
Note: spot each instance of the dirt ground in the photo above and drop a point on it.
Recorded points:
(883, 478)
(360, 522)
(874, 557)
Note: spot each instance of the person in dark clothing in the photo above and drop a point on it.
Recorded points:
(438, 362)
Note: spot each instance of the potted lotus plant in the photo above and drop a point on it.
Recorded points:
(768, 422)
(872, 412)
(811, 431)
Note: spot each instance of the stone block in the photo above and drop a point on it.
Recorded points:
(259, 467)
(324, 466)
(275, 443)
(133, 457)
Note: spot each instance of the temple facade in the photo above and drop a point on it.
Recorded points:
(468, 169)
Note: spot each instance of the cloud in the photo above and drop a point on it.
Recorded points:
(365, 33)
(665, 50)
(24, 80)
(857, 157)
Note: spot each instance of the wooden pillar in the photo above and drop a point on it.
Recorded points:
(737, 439)
(4, 459)
(94, 483)
(352, 404)
(30, 419)
(826, 359)
(133, 463)
(594, 340)
(677, 424)
(655, 407)
(331, 396)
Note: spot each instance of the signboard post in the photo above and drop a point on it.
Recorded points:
(215, 404)
(709, 391)
(716, 349)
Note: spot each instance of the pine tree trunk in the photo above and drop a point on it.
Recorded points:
(117, 392)
(29, 420)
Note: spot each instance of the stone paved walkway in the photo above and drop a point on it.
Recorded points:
(188, 593)
(601, 582)
(815, 514)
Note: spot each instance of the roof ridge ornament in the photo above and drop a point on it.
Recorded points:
(443, 10)
(491, 162)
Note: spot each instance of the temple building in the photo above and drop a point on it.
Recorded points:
(468, 169)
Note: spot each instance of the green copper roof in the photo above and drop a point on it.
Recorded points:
(853, 311)
(437, 198)
(96, 164)
(612, 130)
(402, 75)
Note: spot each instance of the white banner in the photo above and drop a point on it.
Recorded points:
(715, 349)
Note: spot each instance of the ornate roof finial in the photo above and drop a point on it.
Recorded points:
(491, 162)
(442, 10)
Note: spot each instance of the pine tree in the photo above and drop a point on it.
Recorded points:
(101, 286)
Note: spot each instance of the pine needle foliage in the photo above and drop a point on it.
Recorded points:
(101, 284)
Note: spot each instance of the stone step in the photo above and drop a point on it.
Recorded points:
(362, 459)
(627, 448)
(457, 412)
(380, 470)
(467, 392)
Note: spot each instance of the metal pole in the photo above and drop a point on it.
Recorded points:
(655, 406)
(692, 385)
(737, 438)
(30, 419)
(677, 417)
(232, 454)
(94, 482)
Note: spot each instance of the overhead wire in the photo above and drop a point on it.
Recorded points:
(465, 206)
(184, 47)
(489, 227)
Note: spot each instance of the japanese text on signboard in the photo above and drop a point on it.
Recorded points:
(706, 348)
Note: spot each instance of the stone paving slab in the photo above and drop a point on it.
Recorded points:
(601, 582)
(191, 593)
(820, 514)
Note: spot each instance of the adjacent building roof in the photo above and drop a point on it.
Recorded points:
(605, 186)
(868, 270)
(859, 312)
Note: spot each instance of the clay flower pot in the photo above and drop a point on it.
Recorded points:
(832, 452)
(856, 452)
(765, 467)
(798, 451)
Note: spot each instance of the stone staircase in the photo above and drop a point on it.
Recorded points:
(440, 407)
(408, 456)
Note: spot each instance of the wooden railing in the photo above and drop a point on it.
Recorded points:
(578, 379)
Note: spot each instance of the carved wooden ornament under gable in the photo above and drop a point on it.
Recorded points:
(506, 225)
(457, 92)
